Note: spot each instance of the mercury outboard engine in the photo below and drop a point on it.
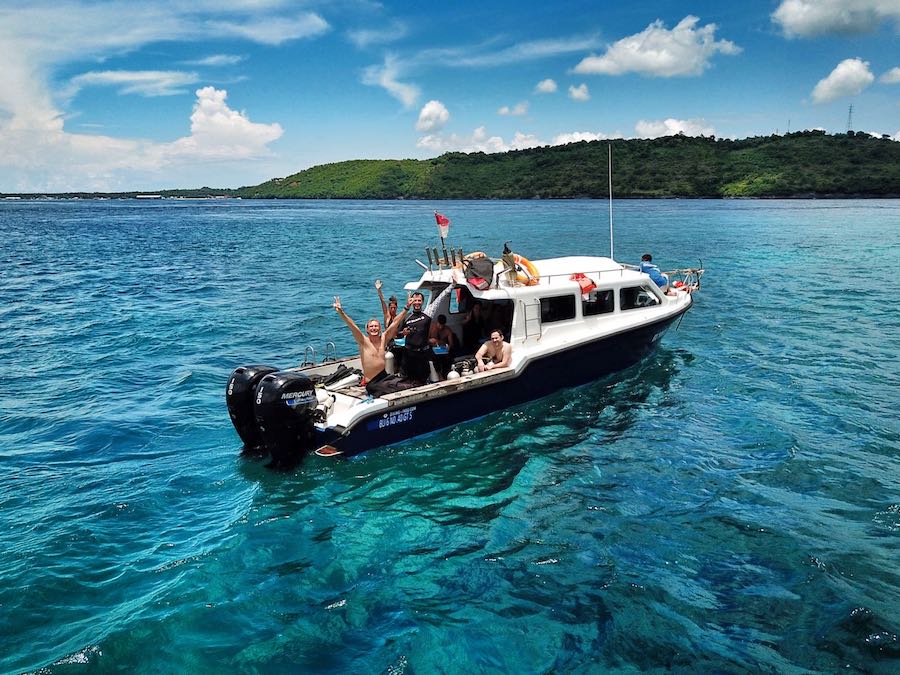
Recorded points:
(240, 395)
(285, 409)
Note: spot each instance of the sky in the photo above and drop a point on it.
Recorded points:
(119, 96)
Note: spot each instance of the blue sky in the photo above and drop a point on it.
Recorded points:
(98, 95)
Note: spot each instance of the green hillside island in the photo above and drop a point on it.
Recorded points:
(805, 164)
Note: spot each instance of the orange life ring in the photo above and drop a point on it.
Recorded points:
(526, 272)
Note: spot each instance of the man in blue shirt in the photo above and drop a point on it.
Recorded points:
(648, 268)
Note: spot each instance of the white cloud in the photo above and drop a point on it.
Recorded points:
(218, 132)
(386, 75)
(432, 117)
(50, 159)
(848, 78)
(809, 18)
(371, 36)
(522, 141)
(44, 34)
(891, 77)
(547, 86)
(517, 110)
(478, 141)
(659, 52)
(216, 60)
(671, 126)
(52, 31)
(273, 30)
(578, 136)
(579, 93)
(486, 56)
(394, 68)
(40, 36)
(143, 82)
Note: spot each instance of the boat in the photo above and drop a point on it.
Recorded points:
(570, 320)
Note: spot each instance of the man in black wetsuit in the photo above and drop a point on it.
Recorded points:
(418, 350)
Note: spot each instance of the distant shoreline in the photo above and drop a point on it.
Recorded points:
(100, 197)
(802, 165)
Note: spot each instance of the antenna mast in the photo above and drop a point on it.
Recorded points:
(850, 118)
(609, 147)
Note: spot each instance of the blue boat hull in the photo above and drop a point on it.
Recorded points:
(545, 375)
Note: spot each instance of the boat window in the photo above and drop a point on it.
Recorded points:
(635, 297)
(598, 302)
(460, 300)
(557, 308)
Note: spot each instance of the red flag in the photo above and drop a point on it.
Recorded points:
(443, 224)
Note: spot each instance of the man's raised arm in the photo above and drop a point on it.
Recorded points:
(384, 307)
(357, 333)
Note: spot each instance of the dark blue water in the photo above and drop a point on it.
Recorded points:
(730, 505)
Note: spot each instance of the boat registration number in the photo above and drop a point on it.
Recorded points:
(391, 418)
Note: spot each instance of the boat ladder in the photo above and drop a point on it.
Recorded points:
(532, 313)
(309, 357)
(330, 353)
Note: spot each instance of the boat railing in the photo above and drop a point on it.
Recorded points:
(689, 277)
(567, 276)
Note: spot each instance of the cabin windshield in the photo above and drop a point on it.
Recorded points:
(636, 297)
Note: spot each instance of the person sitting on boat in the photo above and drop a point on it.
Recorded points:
(440, 334)
(443, 344)
(371, 350)
(648, 268)
(415, 329)
(495, 353)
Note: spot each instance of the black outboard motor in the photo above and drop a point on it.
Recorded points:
(285, 408)
(240, 395)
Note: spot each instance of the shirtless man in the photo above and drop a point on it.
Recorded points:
(371, 346)
(493, 354)
(440, 334)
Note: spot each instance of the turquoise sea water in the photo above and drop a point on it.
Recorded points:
(730, 505)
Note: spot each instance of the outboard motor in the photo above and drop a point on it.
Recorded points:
(285, 409)
(240, 395)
